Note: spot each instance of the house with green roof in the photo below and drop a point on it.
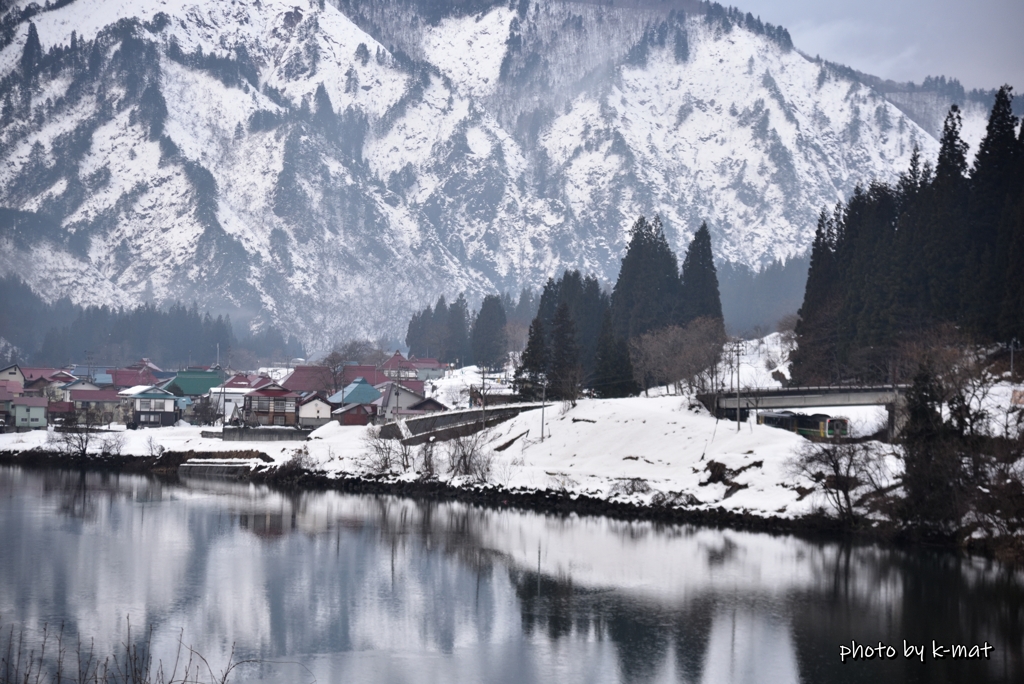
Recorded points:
(193, 382)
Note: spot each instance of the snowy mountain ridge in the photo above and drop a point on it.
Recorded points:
(330, 170)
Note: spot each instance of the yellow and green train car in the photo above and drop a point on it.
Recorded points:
(816, 425)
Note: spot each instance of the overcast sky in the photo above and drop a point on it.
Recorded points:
(979, 42)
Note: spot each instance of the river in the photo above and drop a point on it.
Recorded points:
(328, 587)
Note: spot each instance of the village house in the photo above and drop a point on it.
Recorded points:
(314, 410)
(149, 406)
(37, 382)
(106, 405)
(79, 384)
(6, 413)
(397, 402)
(356, 402)
(193, 382)
(30, 413)
(228, 398)
(271, 404)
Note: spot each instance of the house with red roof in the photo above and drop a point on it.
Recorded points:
(106, 403)
(121, 378)
(310, 379)
(30, 413)
(271, 404)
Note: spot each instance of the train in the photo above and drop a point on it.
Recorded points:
(816, 425)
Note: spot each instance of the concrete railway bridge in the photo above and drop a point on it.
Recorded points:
(892, 397)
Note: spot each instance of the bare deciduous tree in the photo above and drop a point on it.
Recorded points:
(841, 468)
(676, 356)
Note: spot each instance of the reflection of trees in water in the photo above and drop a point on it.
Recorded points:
(871, 595)
(643, 632)
(80, 493)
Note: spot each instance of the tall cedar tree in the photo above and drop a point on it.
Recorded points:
(815, 359)
(647, 289)
(613, 376)
(587, 305)
(533, 365)
(1012, 314)
(459, 349)
(992, 180)
(489, 333)
(566, 372)
(699, 297)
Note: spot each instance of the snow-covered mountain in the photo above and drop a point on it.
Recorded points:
(331, 168)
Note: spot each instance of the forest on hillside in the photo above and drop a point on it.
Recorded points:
(898, 265)
(61, 333)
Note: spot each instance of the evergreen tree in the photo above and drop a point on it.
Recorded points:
(699, 297)
(566, 374)
(488, 337)
(943, 245)
(613, 375)
(932, 473)
(991, 185)
(437, 331)
(31, 56)
(458, 348)
(648, 285)
(815, 358)
(533, 365)
(1012, 313)
(325, 116)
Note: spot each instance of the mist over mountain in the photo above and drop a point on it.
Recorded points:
(331, 169)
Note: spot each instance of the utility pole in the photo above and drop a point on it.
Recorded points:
(1013, 344)
(737, 385)
(543, 400)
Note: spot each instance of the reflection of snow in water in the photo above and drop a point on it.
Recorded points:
(387, 589)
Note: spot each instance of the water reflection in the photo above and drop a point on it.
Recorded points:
(385, 589)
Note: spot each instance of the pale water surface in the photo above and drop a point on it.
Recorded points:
(335, 588)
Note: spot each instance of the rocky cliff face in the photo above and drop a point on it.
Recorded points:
(332, 168)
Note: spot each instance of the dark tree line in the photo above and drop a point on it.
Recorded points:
(455, 334)
(942, 245)
(582, 337)
(61, 333)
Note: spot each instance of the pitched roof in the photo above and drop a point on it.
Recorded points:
(274, 391)
(128, 377)
(308, 379)
(12, 386)
(388, 388)
(36, 373)
(94, 395)
(194, 383)
(145, 391)
(30, 401)
(60, 407)
(395, 362)
(238, 381)
(357, 392)
(428, 404)
(311, 397)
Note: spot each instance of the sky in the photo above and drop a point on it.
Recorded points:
(978, 42)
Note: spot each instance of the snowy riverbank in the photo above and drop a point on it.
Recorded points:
(641, 451)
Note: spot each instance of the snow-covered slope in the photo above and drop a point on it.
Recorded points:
(331, 169)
